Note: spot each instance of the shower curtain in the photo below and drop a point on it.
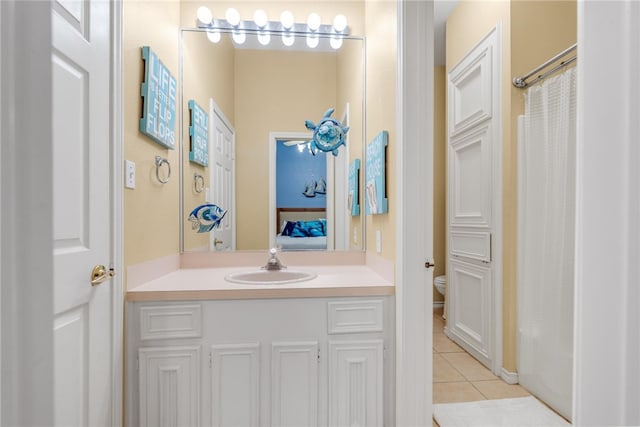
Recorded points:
(546, 218)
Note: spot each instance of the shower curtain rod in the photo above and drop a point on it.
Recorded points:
(520, 82)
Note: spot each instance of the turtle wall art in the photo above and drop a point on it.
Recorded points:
(328, 134)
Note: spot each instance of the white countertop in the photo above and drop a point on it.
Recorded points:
(209, 283)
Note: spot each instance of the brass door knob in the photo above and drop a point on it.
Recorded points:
(217, 242)
(100, 273)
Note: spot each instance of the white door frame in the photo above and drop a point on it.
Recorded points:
(414, 294)
(26, 213)
(273, 139)
(607, 227)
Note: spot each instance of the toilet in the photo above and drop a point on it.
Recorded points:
(440, 283)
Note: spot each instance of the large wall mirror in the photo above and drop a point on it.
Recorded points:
(258, 164)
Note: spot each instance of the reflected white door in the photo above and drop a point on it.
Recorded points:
(81, 224)
(222, 179)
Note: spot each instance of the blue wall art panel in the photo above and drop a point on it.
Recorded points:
(159, 101)
(375, 182)
(353, 198)
(300, 177)
(199, 134)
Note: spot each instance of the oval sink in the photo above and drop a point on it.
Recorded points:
(266, 277)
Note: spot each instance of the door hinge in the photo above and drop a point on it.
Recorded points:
(429, 263)
(210, 360)
(318, 355)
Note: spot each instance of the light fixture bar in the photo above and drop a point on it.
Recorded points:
(275, 27)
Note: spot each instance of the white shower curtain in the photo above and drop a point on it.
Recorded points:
(546, 218)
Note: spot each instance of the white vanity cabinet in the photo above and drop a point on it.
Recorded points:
(261, 362)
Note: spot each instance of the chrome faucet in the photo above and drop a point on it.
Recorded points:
(273, 264)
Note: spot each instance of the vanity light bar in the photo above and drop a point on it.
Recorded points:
(250, 27)
(232, 22)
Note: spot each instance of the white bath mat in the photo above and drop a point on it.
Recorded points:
(521, 411)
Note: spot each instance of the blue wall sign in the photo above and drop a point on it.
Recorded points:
(159, 101)
(375, 182)
(199, 134)
(353, 198)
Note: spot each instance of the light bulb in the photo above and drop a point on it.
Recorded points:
(264, 38)
(288, 39)
(204, 15)
(287, 20)
(313, 22)
(232, 16)
(214, 36)
(336, 42)
(239, 37)
(339, 23)
(312, 41)
(260, 18)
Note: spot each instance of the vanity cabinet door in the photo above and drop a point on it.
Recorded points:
(356, 383)
(169, 380)
(294, 383)
(235, 384)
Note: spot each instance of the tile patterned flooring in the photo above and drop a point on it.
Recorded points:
(458, 377)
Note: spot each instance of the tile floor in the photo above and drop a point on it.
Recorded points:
(458, 377)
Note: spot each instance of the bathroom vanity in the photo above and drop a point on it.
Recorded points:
(204, 351)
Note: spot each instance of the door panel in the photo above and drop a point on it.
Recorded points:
(470, 97)
(470, 178)
(81, 214)
(471, 299)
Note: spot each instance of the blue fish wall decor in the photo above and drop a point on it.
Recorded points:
(328, 134)
(206, 217)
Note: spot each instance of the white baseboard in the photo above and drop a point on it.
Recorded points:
(509, 377)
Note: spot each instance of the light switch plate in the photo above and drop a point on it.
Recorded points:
(129, 174)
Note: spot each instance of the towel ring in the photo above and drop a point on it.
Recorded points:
(197, 178)
(159, 162)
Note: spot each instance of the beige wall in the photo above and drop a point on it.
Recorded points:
(151, 219)
(283, 84)
(350, 87)
(532, 31)
(381, 32)
(439, 175)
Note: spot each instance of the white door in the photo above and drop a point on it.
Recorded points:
(222, 178)
(83, 321)
(475, 201)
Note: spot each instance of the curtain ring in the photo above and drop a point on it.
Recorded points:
(159, 162)
(197, 178)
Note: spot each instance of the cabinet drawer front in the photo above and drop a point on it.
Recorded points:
(170, 321)
(355, 316)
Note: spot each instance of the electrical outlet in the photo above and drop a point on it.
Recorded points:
(207, 195)
(355, 235)
(129, 174)
(378, 241)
